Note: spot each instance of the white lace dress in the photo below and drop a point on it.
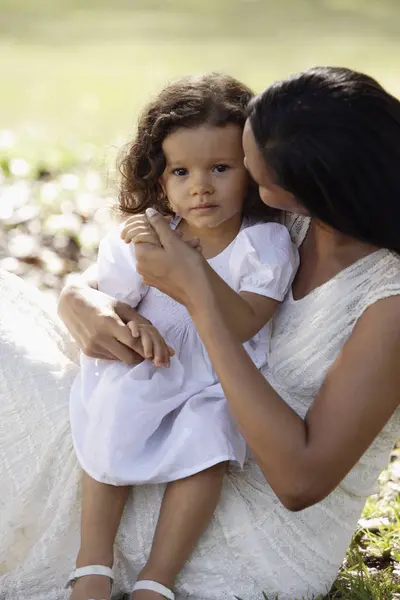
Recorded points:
(142, 424)
(253, 543)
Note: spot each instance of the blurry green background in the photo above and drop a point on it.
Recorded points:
(82, 69)
(75, 73)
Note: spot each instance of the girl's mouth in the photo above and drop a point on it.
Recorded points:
(204, 207)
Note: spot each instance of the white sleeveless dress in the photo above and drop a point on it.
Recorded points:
(253, 543)
(142, 424)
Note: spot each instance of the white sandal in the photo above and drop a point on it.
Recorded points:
(153, 586)
(90, 570)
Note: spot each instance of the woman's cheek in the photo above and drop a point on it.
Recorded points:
(268, 197)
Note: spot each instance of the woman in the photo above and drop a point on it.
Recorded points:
(321, 423)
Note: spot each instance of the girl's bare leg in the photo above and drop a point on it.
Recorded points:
(102, 507)
(186, 510)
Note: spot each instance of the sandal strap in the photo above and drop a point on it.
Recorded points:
(153, 586)
(90, 570)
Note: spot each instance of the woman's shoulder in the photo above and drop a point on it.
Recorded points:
(297, 226)
(376, 277)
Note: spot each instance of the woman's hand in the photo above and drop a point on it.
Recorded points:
(98, 324)
(167, 263)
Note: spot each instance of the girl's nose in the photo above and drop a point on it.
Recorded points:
(201, 184)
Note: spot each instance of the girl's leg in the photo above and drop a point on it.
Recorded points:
(102, 507)
(186, 510)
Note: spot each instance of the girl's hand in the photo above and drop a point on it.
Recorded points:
(153, 344)
(137, 229)
(169, 264)
(97, 323)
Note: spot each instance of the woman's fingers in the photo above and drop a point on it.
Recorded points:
(97, 323)
(111, 349)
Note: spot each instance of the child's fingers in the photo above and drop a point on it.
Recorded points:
(134, 328)
(160, 354)
(153, 344)
(147, 342)
(194, 243)
(137, 229)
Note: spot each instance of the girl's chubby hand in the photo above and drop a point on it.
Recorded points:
(138, 230)
(153, 345)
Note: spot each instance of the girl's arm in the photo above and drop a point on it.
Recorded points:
(245, 312)
(303, 460)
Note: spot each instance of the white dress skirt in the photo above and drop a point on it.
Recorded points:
(142, 424)
(253, 544)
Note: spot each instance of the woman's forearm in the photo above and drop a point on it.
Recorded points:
(276, 435)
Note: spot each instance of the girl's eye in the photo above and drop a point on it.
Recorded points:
(181, 172)
(221, 168)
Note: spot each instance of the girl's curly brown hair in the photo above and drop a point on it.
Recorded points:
(211, 99)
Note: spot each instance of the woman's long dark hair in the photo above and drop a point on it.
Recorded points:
(331, 137)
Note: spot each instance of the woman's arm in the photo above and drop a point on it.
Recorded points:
(303, 460)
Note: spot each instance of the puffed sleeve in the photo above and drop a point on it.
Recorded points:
(116, 266)
(264, 260)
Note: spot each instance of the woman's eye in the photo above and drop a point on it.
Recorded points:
(221, 168)
(181, 172)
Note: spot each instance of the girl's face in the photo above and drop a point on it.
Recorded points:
(205, 179)
(271, 194)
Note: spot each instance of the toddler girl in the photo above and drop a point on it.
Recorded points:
(166, 419)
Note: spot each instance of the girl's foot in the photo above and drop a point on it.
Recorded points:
(91, 587)
(157, 591)
(91, 580)
(146, 595)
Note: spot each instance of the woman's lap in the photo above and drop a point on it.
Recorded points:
(248, 546)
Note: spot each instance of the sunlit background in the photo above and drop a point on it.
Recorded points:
(74, 75)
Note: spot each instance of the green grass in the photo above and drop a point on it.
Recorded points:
(81, 71)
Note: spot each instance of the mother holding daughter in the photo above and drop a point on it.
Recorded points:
(319, 419)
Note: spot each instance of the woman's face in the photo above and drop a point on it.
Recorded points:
(271, 194)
